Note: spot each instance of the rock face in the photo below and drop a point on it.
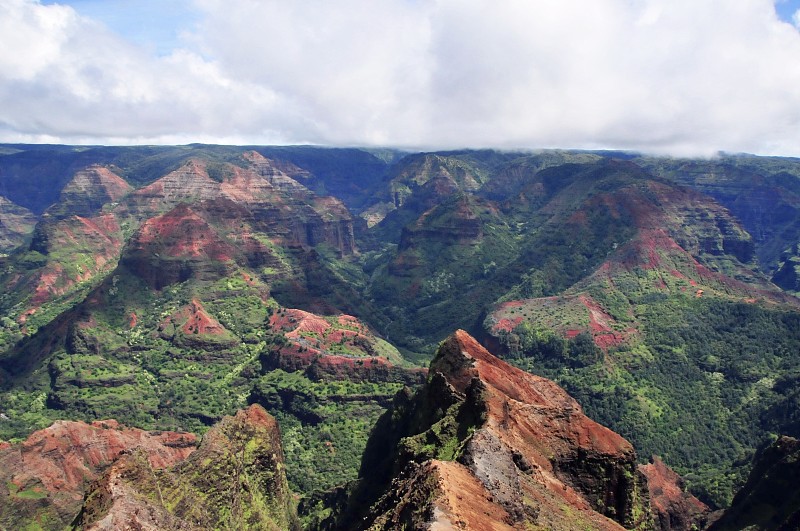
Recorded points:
(42, 479)
(176, 246)
(113, 477)
(88, 191)
(770, 500)
(235, 480)
(486, 446)
(260, 194)
(189, 183)
(76, 250)
(673, 506)
(200, 227)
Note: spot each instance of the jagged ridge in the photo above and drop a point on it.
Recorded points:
(485, 429)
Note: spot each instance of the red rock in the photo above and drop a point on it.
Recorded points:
(676, 509)
(235, 480)
(88, 191)
(59, 461)
(312, 347)
(526, 456)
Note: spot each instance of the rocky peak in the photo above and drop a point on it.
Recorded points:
(461, 358)
(177, 246)
(515, 439)
(190, 182)
(674, 507)
(281, 175)
(88, 191)
(43, 478)
(235, 480)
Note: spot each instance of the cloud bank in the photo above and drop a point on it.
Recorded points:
(665, 76)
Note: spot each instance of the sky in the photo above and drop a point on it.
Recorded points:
(677, 77)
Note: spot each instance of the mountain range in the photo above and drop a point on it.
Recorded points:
(168, 287)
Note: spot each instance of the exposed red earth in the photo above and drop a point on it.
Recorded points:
(54, 466)
(534, 460)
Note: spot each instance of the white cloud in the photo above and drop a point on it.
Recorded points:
(69, 78)
(681, 76)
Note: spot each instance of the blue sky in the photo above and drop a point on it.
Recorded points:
(156, 25)
(786, 9)
(684, 77)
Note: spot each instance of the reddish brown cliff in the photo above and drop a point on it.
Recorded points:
(179, 245)
(235, 480)
(675, 508)
(259, 194)
(43, 478)
(487, 446)
(333, 347)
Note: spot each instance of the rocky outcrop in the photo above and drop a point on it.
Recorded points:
(321, 367)
(439, 494)
(43, 479)
(280, 175)
(189, 183)
(334, 347)
(770, 500)
(76, 250)
(675, 509)
(235, 480)
(259, 194)
(193, 327)
(486, 446)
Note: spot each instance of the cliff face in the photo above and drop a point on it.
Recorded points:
(88, 191)
(673, 506)
(487, 446)
(176, 246)
(235, 480)
(770, 500)
(42, 479)
(761, 192)
(333, 348)
(113, 477)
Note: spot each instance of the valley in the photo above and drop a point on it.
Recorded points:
(346, 301)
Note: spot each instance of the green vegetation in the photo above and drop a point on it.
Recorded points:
(701, 390)
(702, 382)
(325, 424)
